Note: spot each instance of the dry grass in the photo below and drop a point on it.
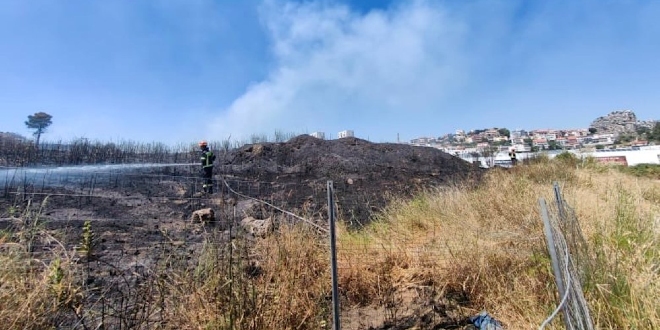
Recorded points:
(482, 248)
(488, 244)
(273, 284)
(36, 293)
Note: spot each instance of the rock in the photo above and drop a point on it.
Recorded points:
(257, 227)
(204, 215)
(620, 122)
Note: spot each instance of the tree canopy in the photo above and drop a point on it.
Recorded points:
(504, 132)
(654, 134)
(39, 122)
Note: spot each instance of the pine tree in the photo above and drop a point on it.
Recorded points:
(39, 122)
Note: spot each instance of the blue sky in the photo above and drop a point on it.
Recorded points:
(177, 71)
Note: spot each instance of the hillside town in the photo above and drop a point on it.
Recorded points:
(619, 130)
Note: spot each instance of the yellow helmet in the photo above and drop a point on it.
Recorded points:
(203, 143)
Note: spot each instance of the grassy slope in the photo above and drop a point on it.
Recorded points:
(485, 245)
(495, 251)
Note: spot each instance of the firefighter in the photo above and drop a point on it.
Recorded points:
(207, 158)
(512, 155)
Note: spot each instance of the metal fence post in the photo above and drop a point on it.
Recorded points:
(333, 257)
(560, 203)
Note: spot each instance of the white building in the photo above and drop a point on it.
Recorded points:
(318, 135)
(424, 141)
(346, 133)
(521, 147)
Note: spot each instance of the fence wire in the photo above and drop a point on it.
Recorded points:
(140, 223)
(140, 242)
(571, 265)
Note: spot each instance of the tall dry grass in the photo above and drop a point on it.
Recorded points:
(479, 248)
(487, 244)
(277, 283)
(37, 293)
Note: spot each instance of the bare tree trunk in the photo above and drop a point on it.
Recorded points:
(38, 133)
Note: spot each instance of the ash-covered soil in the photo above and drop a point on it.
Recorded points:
(365, 175)
(291, 175)
(141, 217)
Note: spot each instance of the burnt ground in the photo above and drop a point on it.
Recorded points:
(140, 216)
(365, 175)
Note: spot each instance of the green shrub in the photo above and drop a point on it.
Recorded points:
(643, 170)
(567, 158)
(536, 159)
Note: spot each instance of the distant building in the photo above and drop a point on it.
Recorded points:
(346, 133)
(521, 148)
(483, 145)
(424, 141)
(541, 143)
(318, 135)
(518, 140)
(490, 134)
(641, 143)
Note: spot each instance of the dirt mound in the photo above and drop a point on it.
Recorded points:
(364, 174)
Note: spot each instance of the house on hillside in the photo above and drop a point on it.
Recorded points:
(639, 143)
(424, 141)
(483, 145)
(458, 138)
(572, 142)
(500, 139)
(541, 143)
(318, 135)
(603, 138)
(518, 134)
(538, 133)
(518, 140)
(345, 133)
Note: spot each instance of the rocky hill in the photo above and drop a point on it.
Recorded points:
(11, 136)
(620, 122)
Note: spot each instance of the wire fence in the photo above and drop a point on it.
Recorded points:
(141, 221)
(383, 262)
(570, 262)
(18, 152)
